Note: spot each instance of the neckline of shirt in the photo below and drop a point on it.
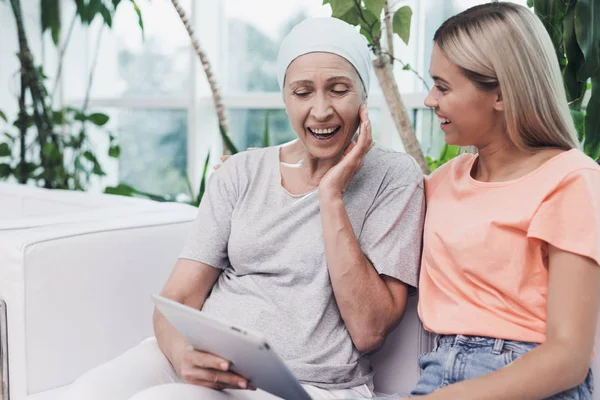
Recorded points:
(545, 164)
(277, 152)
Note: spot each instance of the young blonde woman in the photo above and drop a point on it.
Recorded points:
(509, 279)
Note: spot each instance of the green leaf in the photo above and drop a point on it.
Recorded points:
(203, 181)
(579, 122)
(97, 170)
(575, 60)
(266, 138)
(367, 34)
(529, 3)
(325, 2)
(340, 7)
(5, 171)
(3, 116)
(28, 171)
(401, 23)
(139, 14)
(105, 12)
(114, 151)
(591, 145)
(93, 9)
(227, 140)
(81, 10)
(98, 119)
(350, 16)
(375, 6)
(5, 150)
(587, 28)
(50, 151)
(406, 67)
(370, 24)
(79, 116)
(121, 189)
(50, 16)
(58, 117)
(88, 155)
(10, 137)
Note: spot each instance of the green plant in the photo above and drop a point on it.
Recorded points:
(46, 145)
(574, 27)
(448, 153)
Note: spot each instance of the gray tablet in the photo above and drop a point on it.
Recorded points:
(250, 354)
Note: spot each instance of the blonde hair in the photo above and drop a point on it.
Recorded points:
(505, 45)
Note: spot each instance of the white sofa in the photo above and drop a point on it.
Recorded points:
(76, 273)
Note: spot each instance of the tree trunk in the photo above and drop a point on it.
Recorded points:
(385, 75)
(216, 93)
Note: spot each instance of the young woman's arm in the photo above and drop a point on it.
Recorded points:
(560, 363)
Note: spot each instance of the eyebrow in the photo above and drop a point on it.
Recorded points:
(307, 82)
(437, 78)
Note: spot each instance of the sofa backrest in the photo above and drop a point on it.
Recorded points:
(395, 363)
(24, 207)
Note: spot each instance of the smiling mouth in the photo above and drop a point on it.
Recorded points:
(324, 134)
(444, 121)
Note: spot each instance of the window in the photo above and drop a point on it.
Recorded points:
(156, 92)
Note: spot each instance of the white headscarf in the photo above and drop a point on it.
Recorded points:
(328, 35)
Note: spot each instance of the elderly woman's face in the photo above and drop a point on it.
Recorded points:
(322, 94)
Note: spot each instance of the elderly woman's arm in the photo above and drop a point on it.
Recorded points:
(370, 304)
(189, 284)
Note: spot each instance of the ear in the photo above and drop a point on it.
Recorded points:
(499, 103)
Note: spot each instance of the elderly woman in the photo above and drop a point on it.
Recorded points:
(314, 243)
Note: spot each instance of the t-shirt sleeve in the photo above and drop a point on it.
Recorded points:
(209, 236)
(392, 232)
(569, 217)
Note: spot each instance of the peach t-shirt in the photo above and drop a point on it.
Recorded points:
(485, 260)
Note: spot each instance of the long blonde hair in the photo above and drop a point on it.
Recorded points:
(505, 45)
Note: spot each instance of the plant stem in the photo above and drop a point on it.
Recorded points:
(387, 18)
(32, 81)
(22, 131)
(216, 93)
(61, 56)
(414, 71)
(88, 90)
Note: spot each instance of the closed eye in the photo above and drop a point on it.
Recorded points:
(301, 94)
(441, 88)
(340, 92)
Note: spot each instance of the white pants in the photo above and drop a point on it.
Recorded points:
(144, 373)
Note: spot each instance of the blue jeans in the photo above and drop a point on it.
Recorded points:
(457, 358)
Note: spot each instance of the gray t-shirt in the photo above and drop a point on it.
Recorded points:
(270, 247)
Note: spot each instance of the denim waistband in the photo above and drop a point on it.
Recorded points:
(496, 345)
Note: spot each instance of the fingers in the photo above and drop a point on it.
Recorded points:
(223, 159)
(211, 371)
(206, 360)
(365, 138)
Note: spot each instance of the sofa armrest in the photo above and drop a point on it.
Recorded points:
(78, 294)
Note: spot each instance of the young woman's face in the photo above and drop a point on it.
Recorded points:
(322, 94)
(469, 116)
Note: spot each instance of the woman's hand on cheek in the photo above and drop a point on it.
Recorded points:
(336, 180)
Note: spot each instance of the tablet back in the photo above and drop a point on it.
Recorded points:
(250, 354)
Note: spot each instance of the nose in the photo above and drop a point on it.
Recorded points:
(430, 100)
(322, 108)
